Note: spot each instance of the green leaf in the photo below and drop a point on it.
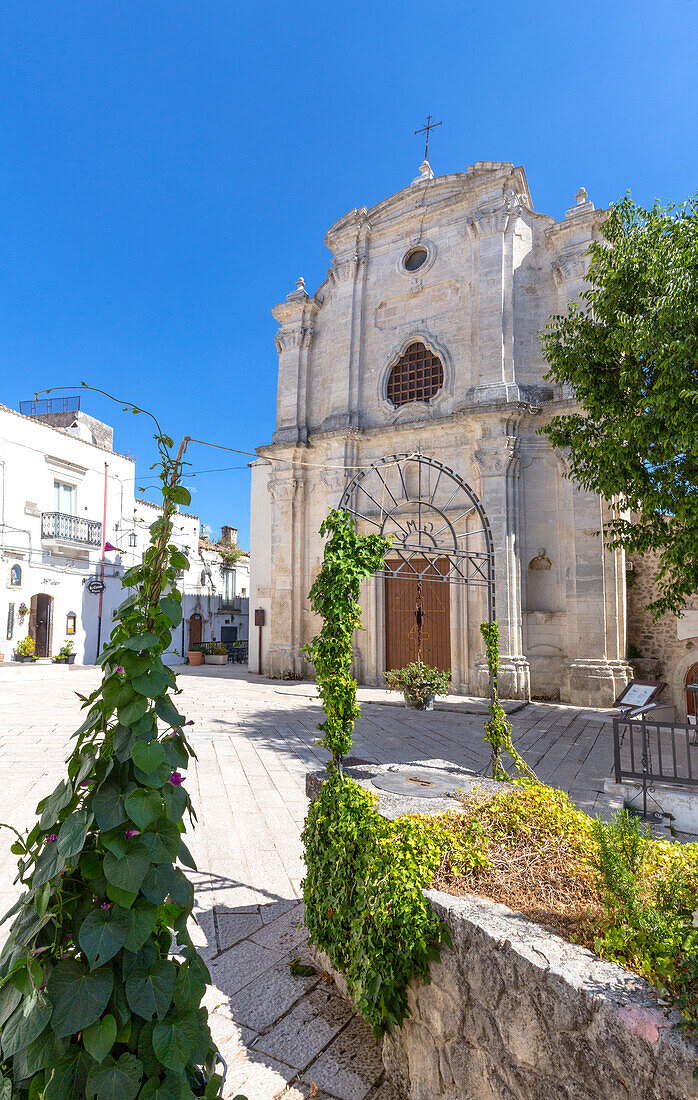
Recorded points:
(102, 934)
(149, 756)
(125, 898)
(151, 684)
(172, 609)
(108, 807)
(99, 1037)
(37, 1056)
(179, 560)
(143, 806)
(175, 801)
(158, 778)
(68, 1079)
(159, 882)
(115, 1080)
(5, 1089)
(180, 495)
(185, 856)
(52, 806)
(47, 865)
(174, 1039)
(25, 1024)
(162, 841)
(79, 997)
(10, 997)
(72, 833)
(139, 642)
(165, 709)
(141, 923)
(182, 891)
(149, 991)
(190, 987)
(133, 711)
(128, 872)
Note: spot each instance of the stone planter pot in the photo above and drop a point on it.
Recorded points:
(69, 660)
(216, 658)
(195, 657)
(414, 702)
(23, 657)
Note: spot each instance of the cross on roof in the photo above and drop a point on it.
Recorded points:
(425, 130)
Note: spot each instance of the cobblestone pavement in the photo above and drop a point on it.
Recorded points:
(282, 1035)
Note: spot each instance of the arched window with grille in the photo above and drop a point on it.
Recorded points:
(418, 375)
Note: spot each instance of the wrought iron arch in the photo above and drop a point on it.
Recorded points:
(426, 511)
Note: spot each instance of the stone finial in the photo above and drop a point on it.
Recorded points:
(300, 292)
(425, 172)
(582, 204)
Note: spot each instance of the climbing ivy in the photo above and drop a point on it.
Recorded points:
(100, 983)
(363, 897)
(497, 728)
(349, 557)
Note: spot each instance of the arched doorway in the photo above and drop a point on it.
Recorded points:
(195, 628)
(41, 623)
(692, 696)
(440, 536)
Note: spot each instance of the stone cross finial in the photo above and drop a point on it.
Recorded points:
(299, 292)
(581, 196)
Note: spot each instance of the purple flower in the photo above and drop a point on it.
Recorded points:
(175, 779)
(86, 782)
(51, 837)
(105, 905)
(108, 546)
(190, 722)
(119, 668)
(131, 832)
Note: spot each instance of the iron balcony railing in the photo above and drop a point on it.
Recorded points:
(650, 753)
(230, 603)
(63, 528)
(43, 406)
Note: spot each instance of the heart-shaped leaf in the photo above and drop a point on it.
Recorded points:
(148, 756)
(99, 1037)
(108, 806)
(52, 806)
(134, 709)
(141, 922)
(162, 841)
(102, 934)
(25, 1024)
(79, 996)
(115, 1080)
(143, 806)
(159, 882)
(128, 872)
(174, 1039)
(72, 833)
(149, 991)
(172, 608)
(69, 1076)
(150, 684)
(165, 709)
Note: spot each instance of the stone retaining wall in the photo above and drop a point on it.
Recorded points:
(513, 1012)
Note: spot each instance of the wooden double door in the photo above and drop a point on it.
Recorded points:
(401, 629)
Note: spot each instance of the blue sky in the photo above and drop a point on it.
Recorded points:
(169, 168)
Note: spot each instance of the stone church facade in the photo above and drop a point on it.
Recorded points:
(423, 341)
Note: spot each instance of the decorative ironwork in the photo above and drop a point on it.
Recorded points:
(65, 528)
(436, 524)
(417, 376)
(646, 753)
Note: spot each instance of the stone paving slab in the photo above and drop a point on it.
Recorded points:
(282, 1035)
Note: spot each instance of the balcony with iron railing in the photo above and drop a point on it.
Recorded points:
(230, 603)
(58, 527)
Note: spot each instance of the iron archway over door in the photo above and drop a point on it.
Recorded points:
(436, 524)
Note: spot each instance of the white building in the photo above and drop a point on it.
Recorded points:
(64, 492)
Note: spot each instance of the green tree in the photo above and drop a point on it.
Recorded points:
(629, 352)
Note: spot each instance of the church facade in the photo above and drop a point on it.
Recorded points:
(411, 389)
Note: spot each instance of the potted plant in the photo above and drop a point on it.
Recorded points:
(195, 656)
(65, 655)
(24, 650)
(216, 653)
(419, 683)
(22, 610)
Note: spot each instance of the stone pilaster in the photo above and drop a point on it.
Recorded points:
(297, 319)
(595, 670)
(498, 460)
(284, 657)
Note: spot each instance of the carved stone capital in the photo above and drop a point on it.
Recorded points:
(570, 266)
(290, 339)
(487, 222)
(345, 268)
(499, 456)
(283, 490)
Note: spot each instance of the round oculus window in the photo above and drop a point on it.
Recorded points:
(415, 258)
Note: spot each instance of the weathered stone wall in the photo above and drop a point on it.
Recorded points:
(516, 1013)
(659, 640)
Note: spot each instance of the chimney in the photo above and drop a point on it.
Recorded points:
(229, 536)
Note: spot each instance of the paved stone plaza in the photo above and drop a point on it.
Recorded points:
(282, 1035)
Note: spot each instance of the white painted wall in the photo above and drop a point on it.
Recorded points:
(261, 559)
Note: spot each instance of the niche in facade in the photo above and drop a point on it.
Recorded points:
(540, 582)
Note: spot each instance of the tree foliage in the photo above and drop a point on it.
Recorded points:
(100, 983)
(629, 353)
(349, 557)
